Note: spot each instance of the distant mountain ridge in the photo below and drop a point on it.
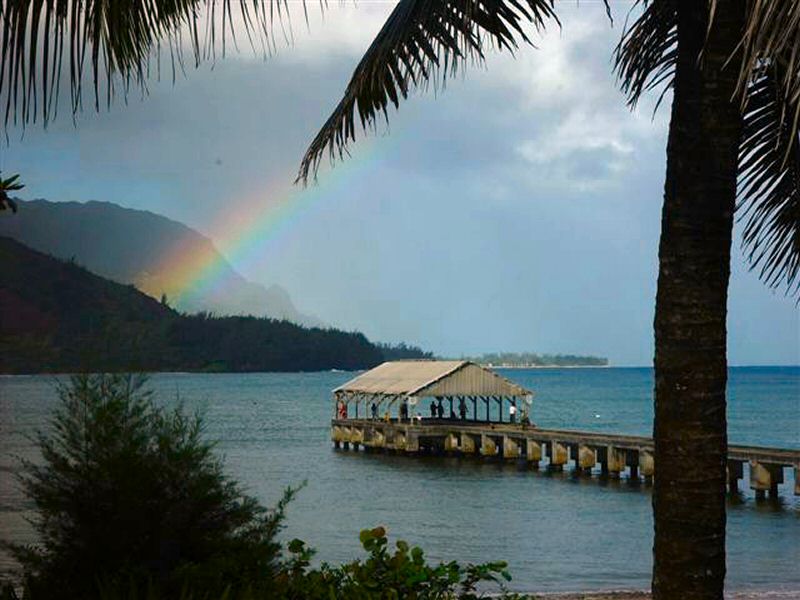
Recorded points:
(131, 246)
(56, 317)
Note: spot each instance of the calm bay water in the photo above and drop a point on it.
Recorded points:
(558, 533)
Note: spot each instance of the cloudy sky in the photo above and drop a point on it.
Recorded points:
(519, 209)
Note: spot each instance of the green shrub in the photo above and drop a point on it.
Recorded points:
(384, 575)
(129, 495)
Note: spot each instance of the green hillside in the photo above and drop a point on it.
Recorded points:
(56, 316)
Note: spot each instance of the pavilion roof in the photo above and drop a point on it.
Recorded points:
(431, 378)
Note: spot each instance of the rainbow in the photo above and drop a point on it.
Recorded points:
(256, 220)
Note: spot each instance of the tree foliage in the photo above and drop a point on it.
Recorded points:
(56, 316)
(526, 359)
(130, 494)
(388, 575)
(115, 46)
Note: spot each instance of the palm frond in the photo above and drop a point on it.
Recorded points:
(422, 42)
(115, 40)
(644, 59)
(769, 180)
(772, 31)
(9, 184)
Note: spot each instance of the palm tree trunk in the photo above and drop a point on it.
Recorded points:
(690, 336)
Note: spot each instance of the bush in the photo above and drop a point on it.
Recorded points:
(130, 496)
(384, 575)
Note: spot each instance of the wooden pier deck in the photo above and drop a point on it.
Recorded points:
(615, 455)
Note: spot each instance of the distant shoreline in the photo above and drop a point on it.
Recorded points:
(493, 366)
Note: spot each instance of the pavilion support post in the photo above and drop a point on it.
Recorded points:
(500, 408)
(474, 409)
(487, 409)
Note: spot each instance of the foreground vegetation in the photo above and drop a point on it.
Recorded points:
(56, 316)
(131, 502)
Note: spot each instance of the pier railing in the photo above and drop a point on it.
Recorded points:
(616, 455)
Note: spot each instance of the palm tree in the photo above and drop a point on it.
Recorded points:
(734, 70)
(736, 105)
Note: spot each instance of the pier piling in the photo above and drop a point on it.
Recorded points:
(511, 449)
(647, 465)
(488, 446)
(735, 473)
(559, 455)
(585, 460)
(533, 452)
(467, 444)
(614, 453)
(797, 480)
(615, 462)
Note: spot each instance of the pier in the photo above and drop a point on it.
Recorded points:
(379, 411)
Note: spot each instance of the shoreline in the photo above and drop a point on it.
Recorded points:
(622, 594)
(494, 366)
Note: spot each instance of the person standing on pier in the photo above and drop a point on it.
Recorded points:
(512, 412)
(462, 409)
(433, 409)
(374, 410)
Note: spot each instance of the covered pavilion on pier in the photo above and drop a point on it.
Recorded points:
(457, 390)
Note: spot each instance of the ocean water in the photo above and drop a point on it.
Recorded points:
(557, 532)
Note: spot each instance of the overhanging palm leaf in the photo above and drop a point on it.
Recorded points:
(645, 56)
(769, 184)
(769, 163)
(773, 30)
(422, 41)
(41, 39)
